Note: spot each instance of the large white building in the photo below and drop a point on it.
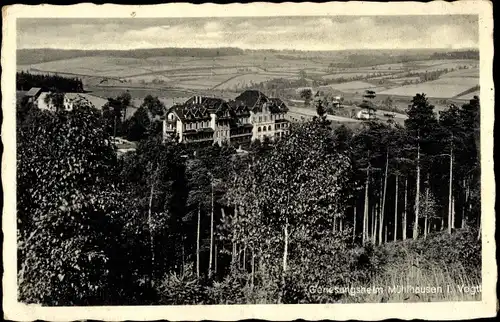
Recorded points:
(208, 120)
(267, 115)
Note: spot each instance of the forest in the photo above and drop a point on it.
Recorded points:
(170, 224)
(25, 81)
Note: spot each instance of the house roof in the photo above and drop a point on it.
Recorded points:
(238, 109)
(193, 112)
(200, 108)
(277, 105)
(253, 99)
(33, 91)
(207, 102)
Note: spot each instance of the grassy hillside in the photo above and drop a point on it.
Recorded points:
(39, 55)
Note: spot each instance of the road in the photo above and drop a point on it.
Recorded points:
(308, 113)
(299, 112)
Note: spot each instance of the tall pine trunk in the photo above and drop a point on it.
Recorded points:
(211, 233)
(355, 214)
(198, 226)
(374, 223)
(396, 209)
(234, 252)
(426, 219)
(450, 192)
(405, 209)
(479, 232)
(285, 257)
(365, 213)
(466, 204)
(417, 195)
(285, 250)
(382, 212)
(453, 212)
(215, 259)
(151, 240)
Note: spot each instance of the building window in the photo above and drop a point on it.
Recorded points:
(258, 129)
(269, 128)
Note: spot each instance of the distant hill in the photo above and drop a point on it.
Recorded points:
(40, 55)
(344, 58)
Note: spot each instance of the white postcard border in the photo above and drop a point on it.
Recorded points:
(369, 311)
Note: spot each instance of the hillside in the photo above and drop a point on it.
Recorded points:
(39, 55)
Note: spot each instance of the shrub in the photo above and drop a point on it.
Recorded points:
(181, 290)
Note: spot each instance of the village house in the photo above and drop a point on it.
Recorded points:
(33, 94)
(208, 120)
(69, 101)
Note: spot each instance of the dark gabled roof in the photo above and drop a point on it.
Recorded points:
(277, 105)
(204, 106)
(253, 99)
(238, 109)
(207, 102)
(190, 112)
(33, 91)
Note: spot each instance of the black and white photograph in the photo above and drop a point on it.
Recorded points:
(229, 158)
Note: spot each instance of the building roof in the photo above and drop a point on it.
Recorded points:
(253, 99)
(200, 107)
(277, 105)
(193, 112)
(34, 91)
(238, 109)
(207, 102)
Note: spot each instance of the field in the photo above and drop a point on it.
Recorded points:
(440, 88)
(174, 77)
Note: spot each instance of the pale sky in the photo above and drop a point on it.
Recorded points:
(301, 33)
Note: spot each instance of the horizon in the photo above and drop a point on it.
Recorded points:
(304, 33)
(263, 49)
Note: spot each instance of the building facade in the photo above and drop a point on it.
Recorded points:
(69, 100)
(208, 120)
(267, 115)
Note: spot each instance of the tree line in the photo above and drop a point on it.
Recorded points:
(39, 55)
(25, 81)
(171, 224)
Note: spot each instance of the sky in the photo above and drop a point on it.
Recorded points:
(298, 32)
